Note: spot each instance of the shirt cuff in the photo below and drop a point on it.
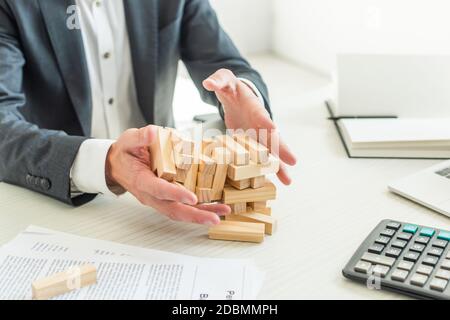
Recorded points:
(254, 89)
(88, 170)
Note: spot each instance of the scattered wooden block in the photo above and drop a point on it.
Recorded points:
(63, 282)
(205, 180)
(181, 145)
(257, 182)
(203, 194)
(161, 153)
(237, 208)
(257, 205)
(183, 161)
(267, 211)
(253, 169)
(222, 157)
(241, 184)
(240, 155)
(231, 195)
(238, 231)
(191, 178)
(269, 222)
(258, 153)
(207, 165)
(181, 175)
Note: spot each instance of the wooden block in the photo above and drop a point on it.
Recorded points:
(183, 161)
(238, 231)
(181, 144)
(257, 205)
(191, 178)
(231, 195)
(239, 154)
(207, 165)
(222, 156)
(205, 180)
(240, 185)
(253, 169)
(237, 208)
(258, 153)
(267, 211)
(181, 175)
(161, 153)
(208, 146)
(269, 222)
(203, 194)
(63, 282)
(257, 182)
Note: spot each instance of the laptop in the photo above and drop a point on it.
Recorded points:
(430, 188)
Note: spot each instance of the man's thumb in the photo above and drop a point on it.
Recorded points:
(144, 137)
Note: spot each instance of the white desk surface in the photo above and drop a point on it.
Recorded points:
(323, 217)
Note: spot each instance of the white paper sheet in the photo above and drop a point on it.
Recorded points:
(124, 272)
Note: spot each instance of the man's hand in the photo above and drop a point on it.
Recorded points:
(243, 110)
(128, 167)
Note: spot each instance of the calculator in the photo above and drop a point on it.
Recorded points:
(405, 258)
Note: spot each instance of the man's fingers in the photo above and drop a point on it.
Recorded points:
(286, 155)
(219, 209)
(221, 80)
(283, 175)
(139, 138)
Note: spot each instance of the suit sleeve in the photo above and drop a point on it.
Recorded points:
(30, 157)
(206, 48)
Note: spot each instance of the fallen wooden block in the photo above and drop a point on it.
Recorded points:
(205, 180)
(222, 157)
(239, 154)
(181, 144)
(253, 169)
(237, 208)
(241, 184)
(183, 161)
(207, 165)
(190, 181)
(161, 153)
(258, 153)
(238, 231)
(231, 195)
(269, 222)
(63, 282)
(181, 175)
(257, 182)
(203, 194)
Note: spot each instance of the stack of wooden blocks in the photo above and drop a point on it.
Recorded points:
(227, 169)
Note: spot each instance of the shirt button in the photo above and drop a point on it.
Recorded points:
(98, 3)
(29, 179)
(111, 101)
(107, 55)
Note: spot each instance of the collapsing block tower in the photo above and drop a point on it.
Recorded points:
(227, 169)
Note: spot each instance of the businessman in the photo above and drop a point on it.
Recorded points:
(76, 75)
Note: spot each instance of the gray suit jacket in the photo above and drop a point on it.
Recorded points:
(45, 97)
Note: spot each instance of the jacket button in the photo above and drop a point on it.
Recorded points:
(29, 179)
(45, 184)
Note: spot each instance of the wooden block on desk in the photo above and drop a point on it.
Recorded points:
(190, 181)
(231, 195)
(258, 153)
(238, 231)
(222, 156)
(203, 195)
(239, 154)
(241, 184)
(237, 208)
(258, 182)
(257, 205)
(63, 282)
(207, 165)
(269, 222)
(205, 180)
(253, 169)
(161, 153)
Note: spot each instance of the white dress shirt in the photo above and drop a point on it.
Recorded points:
(114, 99)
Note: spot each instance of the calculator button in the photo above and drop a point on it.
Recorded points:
(443, 274)
(419, 280)
(426, 270)
(377, 259)
(393, 252)
(380, 270)
(376, 248)
(444, 235)
(445, 264)
(399, 244)
(387, 232)
(438, 284)
(383, 240)
(405, 265)
(362, 267)
(417, 247)
(430, 261)
(411, 256)
(427, 232)
(404, 236)
(437, 252)
(410, 228)
(399, 275)
(422, 240)
(393, 225)
(440, 244)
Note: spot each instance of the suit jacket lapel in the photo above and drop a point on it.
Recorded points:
(142, 24)
(69, 51)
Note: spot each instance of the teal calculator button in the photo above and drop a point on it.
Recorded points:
(444, 235)
(427, 232)
(410, 228)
